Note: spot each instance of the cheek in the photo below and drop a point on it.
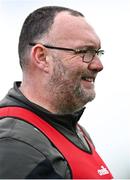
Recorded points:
(76, 74)
(70, 70)
(75, 69)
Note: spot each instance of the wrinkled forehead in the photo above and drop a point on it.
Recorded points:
(72, 30)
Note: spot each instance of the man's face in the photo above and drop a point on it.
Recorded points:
(72, 80)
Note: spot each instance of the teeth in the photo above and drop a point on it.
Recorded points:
(88, 79)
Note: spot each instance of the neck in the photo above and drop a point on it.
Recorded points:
(47, 100)
(33, 94)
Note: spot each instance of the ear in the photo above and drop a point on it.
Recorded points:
(39, 57)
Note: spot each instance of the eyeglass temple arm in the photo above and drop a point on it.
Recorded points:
(54, 47)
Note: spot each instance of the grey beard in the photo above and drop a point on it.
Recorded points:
(68, 102)
(67, 96)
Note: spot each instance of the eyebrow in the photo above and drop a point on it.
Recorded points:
(87, 47)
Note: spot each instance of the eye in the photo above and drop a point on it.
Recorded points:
(100, 52)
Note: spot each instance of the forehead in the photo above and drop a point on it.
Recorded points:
(73, 31)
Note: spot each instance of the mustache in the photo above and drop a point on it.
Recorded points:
(88, 74)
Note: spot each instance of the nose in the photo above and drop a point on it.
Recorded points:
(95, 65)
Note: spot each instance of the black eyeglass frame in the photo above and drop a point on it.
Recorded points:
(84, 50)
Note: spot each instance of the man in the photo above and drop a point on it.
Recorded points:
(39, 132)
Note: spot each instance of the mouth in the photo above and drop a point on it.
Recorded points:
(88, 79)
(88, 82)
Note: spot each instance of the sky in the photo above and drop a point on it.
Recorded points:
(107, 117)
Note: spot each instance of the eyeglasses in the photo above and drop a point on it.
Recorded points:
(87, 53)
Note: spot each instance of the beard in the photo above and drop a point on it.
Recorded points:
(68, 93)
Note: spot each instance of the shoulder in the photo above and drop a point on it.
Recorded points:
(22, 131)
(17, 155)
(24, 146)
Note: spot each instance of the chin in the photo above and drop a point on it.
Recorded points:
(91, 98)
(86, 99)
(90, 95)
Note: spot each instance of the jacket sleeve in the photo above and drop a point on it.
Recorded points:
(19, 160)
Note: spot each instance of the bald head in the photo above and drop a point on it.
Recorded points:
(72, 31)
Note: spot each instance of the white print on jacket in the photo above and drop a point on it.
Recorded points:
(102, 171)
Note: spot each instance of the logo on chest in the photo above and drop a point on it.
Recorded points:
(102, 171)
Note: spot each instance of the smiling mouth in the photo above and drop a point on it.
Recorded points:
(89, 79)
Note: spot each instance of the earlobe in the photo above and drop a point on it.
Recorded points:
(38, 56)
